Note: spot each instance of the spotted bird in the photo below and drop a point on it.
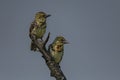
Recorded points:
(38, 28)
(57, 48)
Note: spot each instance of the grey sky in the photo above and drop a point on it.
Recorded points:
(91, 26)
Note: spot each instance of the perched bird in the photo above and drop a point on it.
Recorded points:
(56, 49)
(38, 28)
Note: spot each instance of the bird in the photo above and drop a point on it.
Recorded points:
(38, 28)
(56, 49)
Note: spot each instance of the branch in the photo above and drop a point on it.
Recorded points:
(47, 39)
(54, 68)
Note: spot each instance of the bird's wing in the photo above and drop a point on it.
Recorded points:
(32, 26)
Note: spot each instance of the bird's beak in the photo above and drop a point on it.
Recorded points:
(47, 16)
(65, 42)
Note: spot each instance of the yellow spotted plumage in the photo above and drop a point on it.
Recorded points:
(38, 27)
(57, 48)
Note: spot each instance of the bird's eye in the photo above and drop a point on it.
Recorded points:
(62, 39)
(60, 45)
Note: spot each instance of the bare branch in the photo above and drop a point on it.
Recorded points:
(47, 39)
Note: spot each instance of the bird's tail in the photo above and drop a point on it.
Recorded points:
(33, 47)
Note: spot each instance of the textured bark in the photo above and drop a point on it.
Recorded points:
(53, 67)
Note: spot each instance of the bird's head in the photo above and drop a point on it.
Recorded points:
(41, 17)
(60, 40)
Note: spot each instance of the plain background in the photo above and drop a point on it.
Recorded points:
(91, 26)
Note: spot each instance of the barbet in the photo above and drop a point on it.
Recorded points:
(57, 48)
(38, 28)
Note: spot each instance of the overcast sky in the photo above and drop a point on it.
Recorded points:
(91, 26)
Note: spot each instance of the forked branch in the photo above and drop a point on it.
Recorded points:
(54, 68)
